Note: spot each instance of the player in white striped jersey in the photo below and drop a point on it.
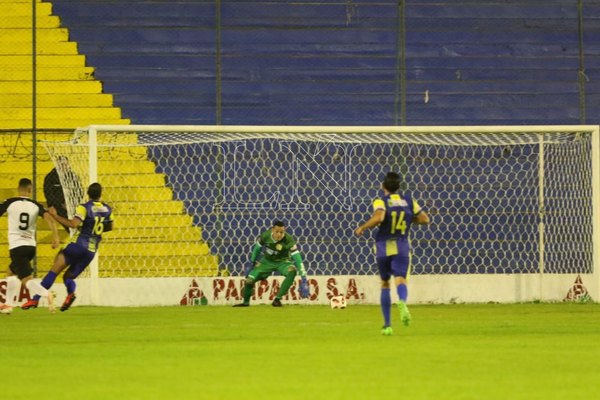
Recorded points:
(22, 214)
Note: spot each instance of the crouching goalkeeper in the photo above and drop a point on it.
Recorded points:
(280, 254)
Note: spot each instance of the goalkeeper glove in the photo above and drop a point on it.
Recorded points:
(304, 288)
(249, 267)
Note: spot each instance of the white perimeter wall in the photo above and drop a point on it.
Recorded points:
(357, 289)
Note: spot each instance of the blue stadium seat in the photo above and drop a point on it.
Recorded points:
(336, 63)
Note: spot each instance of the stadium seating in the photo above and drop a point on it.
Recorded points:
(337, 63)
(67, 93)
(142, 244)
(293, 63)
(323, 63)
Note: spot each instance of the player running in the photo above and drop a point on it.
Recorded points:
(91, 220)
(22, 214)
(394, 214)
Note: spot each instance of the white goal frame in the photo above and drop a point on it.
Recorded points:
(434, 288)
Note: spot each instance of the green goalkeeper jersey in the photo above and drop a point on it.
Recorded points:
(284, 250)
(277, 251)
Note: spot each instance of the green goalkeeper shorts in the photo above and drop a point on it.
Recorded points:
(265, 268)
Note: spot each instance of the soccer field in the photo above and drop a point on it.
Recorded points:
(491, 351)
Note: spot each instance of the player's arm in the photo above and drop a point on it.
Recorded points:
(298, 262)
(255, 254)
(108, 226)
(108, 223)
(55, 238)
(304, 289)
(376, 218)
(421, 217)
(71, 223)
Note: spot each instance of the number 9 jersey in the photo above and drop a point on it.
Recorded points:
(97, 218)
(22, 216)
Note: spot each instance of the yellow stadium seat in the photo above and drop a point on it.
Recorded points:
(153, 235)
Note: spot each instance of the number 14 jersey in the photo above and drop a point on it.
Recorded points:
(392, 236)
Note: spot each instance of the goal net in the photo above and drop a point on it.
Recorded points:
(191, 200)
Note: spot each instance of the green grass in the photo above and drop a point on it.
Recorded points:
(519, 351)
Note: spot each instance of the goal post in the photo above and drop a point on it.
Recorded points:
(515, 209)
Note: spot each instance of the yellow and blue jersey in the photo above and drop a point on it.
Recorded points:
(95, 215)
(392, 235)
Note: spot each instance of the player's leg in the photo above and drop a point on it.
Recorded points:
(21, 266)
(34, 286)
(385, 300)
(78, 261)
(69, 280)
(259, 272)
(400, 269)
(288, 270)
(13, 284)
(58, 266)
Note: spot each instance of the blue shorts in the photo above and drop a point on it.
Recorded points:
(77, 258)
(396, 265)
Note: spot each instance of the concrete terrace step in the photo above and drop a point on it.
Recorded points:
(85, 34)
(51, 74)
(164, 88)
(131, 221)
(148, 207)
(142, 182)
(20, 22)
(492, 11)
(42, 48)
(171, 249)
(59, 123)
(24, 34)
(420, 22)
(152, 9)
(140, 233)
(156, 193)
(49, 100)
(115, 169)
(23, 8)
(73, 60)
(497, 113)
(117, 195)
(92, 112)
(155, 266)
(436, 48)
(193, 61)
(52, 87)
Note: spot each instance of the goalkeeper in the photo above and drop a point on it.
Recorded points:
(280, 254)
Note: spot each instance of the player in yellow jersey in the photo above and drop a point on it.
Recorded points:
(394, 213)
(91, 220)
